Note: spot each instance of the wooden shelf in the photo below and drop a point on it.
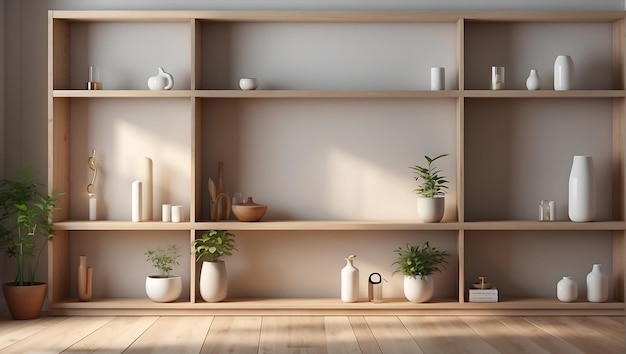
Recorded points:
(212, 121)
(332, 306)
(347, 225)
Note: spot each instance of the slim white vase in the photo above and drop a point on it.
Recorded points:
(581, 207)
(533, 81)
(567, 290)
(597, 285)
(349, 281)
(563, 73)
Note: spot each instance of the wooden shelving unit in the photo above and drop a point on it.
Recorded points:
(200, 91)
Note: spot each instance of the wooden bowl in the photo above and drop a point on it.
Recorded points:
(249, 211)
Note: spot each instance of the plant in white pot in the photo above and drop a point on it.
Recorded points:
(417, 264)
(431, 203)
(25, 227)
(163, 287)
(209, 248)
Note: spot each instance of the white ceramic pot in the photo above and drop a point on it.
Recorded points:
(418, 289)
(430, 209)
(163, 289)
(567, 290)
(248, 83)
(213, 282)
(581, 203)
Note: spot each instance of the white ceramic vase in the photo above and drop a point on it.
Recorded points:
(417, 289)
(582, 204)
(567, 290)
(563, 73)
(213, 281)
(163, 289)
(430, 209)
(597, 285)
(533, 81)
(162, 81)
(349, 282)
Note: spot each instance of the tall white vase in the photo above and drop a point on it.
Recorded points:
(563, 73)
(349, 281)
(582, 194)
(597, 285)
(213, 284)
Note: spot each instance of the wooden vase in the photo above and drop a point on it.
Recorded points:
(84, 279)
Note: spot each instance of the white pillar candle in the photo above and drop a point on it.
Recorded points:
(146, 192)
(166, 213)
(177, 213)
(136, 202)
(437, 78)
(92, 208)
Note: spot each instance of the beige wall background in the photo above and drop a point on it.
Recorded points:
(23, 129)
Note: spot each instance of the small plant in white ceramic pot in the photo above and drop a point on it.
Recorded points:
(417, 264)
(209, 248)
(432, 187)
(164, 287)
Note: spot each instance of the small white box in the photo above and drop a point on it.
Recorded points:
(483, 295)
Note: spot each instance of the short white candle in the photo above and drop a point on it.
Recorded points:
(177, 213)
(437, 78)
(92, 208)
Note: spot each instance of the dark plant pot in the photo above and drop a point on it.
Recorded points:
(25, 302)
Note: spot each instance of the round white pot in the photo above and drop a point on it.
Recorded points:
(418, 289)
(164, 289)
(430, 209)
(213, 282)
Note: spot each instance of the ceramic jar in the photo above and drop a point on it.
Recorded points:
(567, 290)
(581, 204)
(597, 285)
(162, 81)
(563, 73)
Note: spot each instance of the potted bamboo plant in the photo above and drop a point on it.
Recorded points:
(164, 287)
(25, 227)
(209, 248)
(417, 264)
(431, 203)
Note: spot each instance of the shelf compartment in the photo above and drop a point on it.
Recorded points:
(333, 306)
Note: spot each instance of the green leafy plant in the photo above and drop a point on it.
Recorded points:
(214, 244)
(433, 184)
(420, 260)
(25, 222)
(164, 259)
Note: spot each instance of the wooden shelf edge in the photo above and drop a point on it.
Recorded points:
(543, 94)
(337, 225)
(122, 93)
(332, 306)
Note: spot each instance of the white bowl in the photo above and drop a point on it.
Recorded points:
(248, 83)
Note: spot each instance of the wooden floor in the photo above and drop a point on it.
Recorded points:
(314, 334)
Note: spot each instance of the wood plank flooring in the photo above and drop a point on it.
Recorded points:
(314, 334)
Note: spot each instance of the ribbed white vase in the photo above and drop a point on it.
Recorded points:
(597, 285)
(582, 203)
(563, 73)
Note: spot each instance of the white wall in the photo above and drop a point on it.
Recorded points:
(23, 75)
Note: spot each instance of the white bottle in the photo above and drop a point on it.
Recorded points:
(597, 285)
(349, 281)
